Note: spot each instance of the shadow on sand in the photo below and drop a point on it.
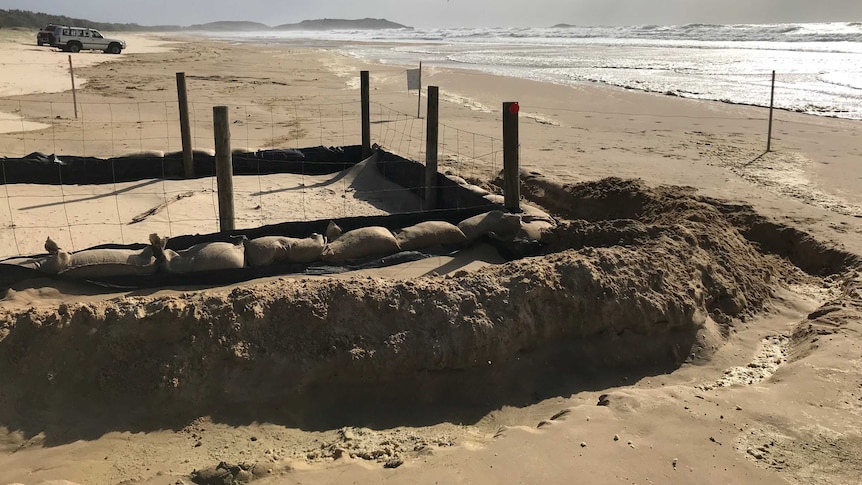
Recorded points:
(413, 400)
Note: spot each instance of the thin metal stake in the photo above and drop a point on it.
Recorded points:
(771, 105)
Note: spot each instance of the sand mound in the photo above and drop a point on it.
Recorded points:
(661, 282)
(614, 199)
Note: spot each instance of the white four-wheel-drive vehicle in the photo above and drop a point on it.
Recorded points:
(76, 39)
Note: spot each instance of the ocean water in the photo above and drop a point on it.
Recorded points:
(818, 66)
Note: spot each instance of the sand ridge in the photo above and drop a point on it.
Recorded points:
(618, 271)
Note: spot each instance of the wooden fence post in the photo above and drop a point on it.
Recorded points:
(431, 120)
(74, 92)
(366, 115)
(511, 170)
(185, 127)
(224, 168)
(771, 104)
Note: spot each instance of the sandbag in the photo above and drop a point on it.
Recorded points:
(529, 212)
(535, 230)
(95, 263)
(428, 234)
(144, 154)
(197, 152)
(476, 189)
(361, 243)
(503, 225)
(56, 261)
(333, 231)
(267, 250)
(200, 257)
(458, 180)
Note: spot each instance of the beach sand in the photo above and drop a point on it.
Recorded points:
(773, 403)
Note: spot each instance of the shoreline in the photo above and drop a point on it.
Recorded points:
(161, 42)
(616, 61)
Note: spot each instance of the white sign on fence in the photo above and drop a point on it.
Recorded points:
(414, 79)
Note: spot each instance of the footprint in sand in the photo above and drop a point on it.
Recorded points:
(560, 415)
(556, 417)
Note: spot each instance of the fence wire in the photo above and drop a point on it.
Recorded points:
(461, 153)
(81, 216)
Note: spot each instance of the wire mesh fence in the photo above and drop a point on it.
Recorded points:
(126, 211)
(460, 152)
(107, 130)
(122, 211)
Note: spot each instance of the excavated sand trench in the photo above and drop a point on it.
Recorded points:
(634, 277)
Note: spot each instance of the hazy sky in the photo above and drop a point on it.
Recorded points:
(453, 13)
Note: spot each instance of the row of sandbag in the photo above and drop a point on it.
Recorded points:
(335, 246)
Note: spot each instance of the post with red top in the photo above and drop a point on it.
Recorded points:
(365, 92)
(431, 148)
(511, 169)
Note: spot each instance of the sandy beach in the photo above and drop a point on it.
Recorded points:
(772, 397)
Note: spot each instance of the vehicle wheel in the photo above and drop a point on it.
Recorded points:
(40, 43)
(74, 47)
(114, 49)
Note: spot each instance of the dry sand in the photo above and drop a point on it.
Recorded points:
(28, 68)
(721, 359)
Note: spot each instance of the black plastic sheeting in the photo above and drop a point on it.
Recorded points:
(455, 203)
(411, 174)
(38, 168)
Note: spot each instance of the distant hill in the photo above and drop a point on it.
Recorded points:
(342, 24)
(38, 20)
(230, 26)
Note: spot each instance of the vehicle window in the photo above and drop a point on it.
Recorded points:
(86, 34)
(65, 31)
(97, 35)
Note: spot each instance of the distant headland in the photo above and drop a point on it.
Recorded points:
(319, 24)
(340, 24)
(35, 20)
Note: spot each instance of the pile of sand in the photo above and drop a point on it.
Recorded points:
(656, 276)
(637, 278)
